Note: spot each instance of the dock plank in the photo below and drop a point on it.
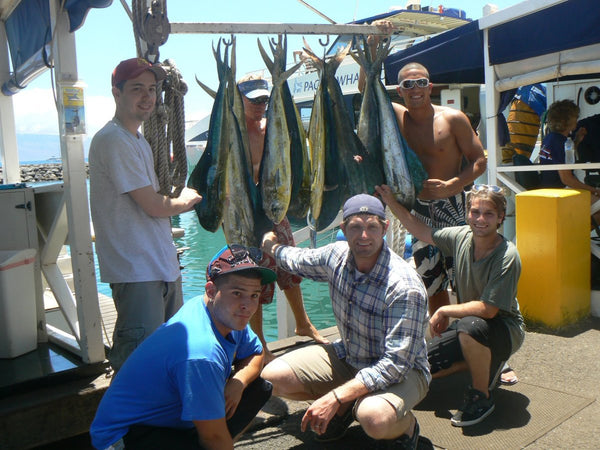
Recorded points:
(52, 413)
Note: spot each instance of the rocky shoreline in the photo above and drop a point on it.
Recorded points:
(31, 173)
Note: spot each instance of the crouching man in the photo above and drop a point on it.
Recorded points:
(178, 389)
(377, 372)
(489, 327)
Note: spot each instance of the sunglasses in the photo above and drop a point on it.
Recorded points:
(259, 100)
(486, 187)
(411, 83)
(239, 255)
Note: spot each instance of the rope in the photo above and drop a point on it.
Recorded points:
(165, 129)
(165, 132)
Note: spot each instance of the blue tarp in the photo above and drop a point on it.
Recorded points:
(455, 56)
(572, 24)
(29, 33)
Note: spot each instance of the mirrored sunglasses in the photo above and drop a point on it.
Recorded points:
(259, 100)
(411, 83)
(486, 187)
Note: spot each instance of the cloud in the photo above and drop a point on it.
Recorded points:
(35, 112)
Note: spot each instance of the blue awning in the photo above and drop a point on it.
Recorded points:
(455, 56)
(29, 35)
(572, 24)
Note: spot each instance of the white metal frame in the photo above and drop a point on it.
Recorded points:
(493, 86)
(583, 60)
(81, 309)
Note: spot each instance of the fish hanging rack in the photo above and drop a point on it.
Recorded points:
(272, 28)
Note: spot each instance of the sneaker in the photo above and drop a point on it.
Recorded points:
(402, 442)
(337, 427)
(407, 442)
(475, 408)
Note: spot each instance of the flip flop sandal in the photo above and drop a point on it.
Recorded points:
(508, 381)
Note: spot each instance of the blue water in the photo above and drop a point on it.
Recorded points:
(202, 245)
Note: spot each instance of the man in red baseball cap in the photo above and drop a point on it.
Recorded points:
(134, 245)
(134, 67)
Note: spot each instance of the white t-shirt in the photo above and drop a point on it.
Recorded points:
(131, 245)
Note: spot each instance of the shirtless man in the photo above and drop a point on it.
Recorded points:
(442, 138)
(453, 157)
(255, 96)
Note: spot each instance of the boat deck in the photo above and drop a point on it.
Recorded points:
(554, 405)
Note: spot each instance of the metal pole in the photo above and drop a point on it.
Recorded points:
(271, 28)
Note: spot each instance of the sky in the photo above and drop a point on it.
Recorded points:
(107, 38)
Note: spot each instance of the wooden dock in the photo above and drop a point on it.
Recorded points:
(62, 405)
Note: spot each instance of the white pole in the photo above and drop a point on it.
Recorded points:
(82, 257)
(11, 172)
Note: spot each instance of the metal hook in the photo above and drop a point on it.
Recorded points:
(326, 42)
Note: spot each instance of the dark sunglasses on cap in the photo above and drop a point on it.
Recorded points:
(263, 100)
(411, 83)
(239, 255)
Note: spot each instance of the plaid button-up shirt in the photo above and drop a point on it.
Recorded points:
(381, 316)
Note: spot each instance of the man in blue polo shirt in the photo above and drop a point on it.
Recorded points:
(178, 389)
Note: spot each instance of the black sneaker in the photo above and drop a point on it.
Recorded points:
(406, 442)
(402, 442)
(337, 426)
(475, 408)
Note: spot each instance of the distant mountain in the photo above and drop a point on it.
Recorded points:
(41, 147)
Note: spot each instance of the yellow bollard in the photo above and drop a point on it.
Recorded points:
(553, 239)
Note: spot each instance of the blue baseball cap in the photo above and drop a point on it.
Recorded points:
(254, 88)
(363, 204)
(235, 258)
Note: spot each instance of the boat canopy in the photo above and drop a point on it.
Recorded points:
(552, 43)
(455, 56)
(29, 35)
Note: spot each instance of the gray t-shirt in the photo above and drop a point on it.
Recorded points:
(492, 279)
(131, 245)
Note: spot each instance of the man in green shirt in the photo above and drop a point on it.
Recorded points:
(490, 326)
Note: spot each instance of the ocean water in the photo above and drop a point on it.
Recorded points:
(201, 246)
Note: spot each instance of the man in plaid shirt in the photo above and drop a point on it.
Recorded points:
(378, 371)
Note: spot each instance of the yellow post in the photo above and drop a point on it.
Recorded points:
(553, 239)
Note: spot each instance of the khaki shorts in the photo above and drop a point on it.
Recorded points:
(320, 370)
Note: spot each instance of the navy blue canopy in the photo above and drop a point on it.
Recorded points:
(29, 33)
(572, 24)
(456, 56)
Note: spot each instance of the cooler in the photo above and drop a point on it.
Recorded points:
(18, 331)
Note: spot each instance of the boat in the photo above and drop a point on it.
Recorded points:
(574, 51)
(414, 24)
